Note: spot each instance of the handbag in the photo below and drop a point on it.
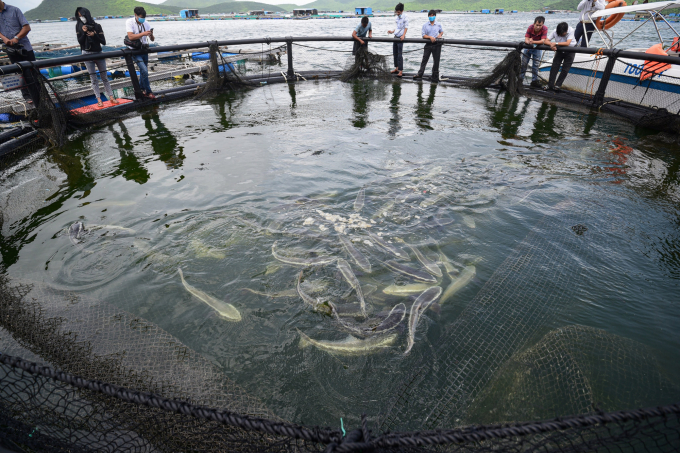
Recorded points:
(134, 44)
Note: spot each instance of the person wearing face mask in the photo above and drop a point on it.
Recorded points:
(139, 29)
(399, 32)
(91, 38)
(431, 31)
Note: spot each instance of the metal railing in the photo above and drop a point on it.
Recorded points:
(127, 54)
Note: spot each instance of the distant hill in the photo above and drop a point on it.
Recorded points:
(446, 5)
(190, 3)
(54, 9)
(229, 7)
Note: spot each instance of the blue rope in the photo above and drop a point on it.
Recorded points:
(342, 427)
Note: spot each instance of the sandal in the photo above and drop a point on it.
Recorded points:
(394, 71)
(401, 74)
(100, 103)
(115, 101)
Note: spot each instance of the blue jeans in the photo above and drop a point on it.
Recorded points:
(142, 62)
(397, 49)
(536, 55)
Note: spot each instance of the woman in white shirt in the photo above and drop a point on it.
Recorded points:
(587, 7)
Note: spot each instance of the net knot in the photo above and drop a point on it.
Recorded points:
(356, 440)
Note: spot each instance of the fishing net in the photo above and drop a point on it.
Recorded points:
(505, 74)
(222, 75)
(366, 64)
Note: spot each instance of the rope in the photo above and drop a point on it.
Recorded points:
(356, 440)
(348, 51)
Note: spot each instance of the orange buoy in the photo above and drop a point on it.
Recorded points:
(613, 19)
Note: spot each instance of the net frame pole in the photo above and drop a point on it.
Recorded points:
(133, 76)
(289, 51)
(598, 100)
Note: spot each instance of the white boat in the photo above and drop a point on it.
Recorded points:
(625, 84)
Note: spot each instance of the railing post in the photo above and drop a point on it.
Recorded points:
(133, 76)
(598, 100)
(289, 50)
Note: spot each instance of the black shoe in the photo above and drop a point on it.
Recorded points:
(536, 84)
(418, 77)
(548, 88)
(557, 89)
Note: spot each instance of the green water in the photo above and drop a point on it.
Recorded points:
(210, 186)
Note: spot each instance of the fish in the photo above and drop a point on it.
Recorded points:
(75, 232)
(470, 260)
(448, 266)
(399, 174)
(359, 202)
(284, 293)
(346, 271)
(410, 272)
(350, 345)
(419, 306)
(224, 310)
(406, 290)
(394, 318)
(356, 255)
(469, 221)
(384, 209)
(459, 283)
(201, 250)
(397, 252)
(430, 265)
(297, 261)
(306, 297)
(112, 227)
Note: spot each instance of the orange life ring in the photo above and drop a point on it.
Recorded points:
(613, 19)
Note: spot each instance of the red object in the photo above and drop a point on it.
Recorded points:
(94, 107)
(536, 37)
(652, 68)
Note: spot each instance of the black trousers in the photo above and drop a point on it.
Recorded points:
(560, 59)
(397, 49)
(32, 89)
(436, 51)
(578, 33)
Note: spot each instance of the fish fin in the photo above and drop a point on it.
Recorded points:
(435, 307)
(304, 339)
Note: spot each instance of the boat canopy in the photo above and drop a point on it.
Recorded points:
(656, 6)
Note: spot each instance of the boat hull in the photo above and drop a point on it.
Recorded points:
(660, 91)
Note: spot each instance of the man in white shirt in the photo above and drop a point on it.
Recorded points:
(139, 29)
(399, 32)
(563, 36)
(587, 7)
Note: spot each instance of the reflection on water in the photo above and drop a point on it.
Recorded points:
(424, 107)
(462, 184)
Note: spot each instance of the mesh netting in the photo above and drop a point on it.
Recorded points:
(366, 64)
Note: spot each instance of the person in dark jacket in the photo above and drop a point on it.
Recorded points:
(91, 38)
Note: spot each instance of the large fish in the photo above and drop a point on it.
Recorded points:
(306, 297)
(384, 209)
(430, 265)
(346, 271)
(223, 309)
(410, 272)
(75, 232)
(296, 261)
(406, 290)
(396, 251)
(459, 283)
(350, 345)
(359, 202)
(393, 319)
(419, 306)
(112, 227)
(356, 255)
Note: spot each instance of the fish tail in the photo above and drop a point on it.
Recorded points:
(304, 339)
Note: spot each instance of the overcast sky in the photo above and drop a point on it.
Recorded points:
(25, 5)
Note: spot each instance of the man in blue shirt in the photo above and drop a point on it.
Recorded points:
(360, 32)
(431, 31)
(13, 30)
(400, 30)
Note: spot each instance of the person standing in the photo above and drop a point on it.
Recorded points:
(139, 29)
(360, 32)
(535, 35)
(399, 32)
(431, 31)
(587, 7)
(563, 36)
(14, 29)
(91, 38)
